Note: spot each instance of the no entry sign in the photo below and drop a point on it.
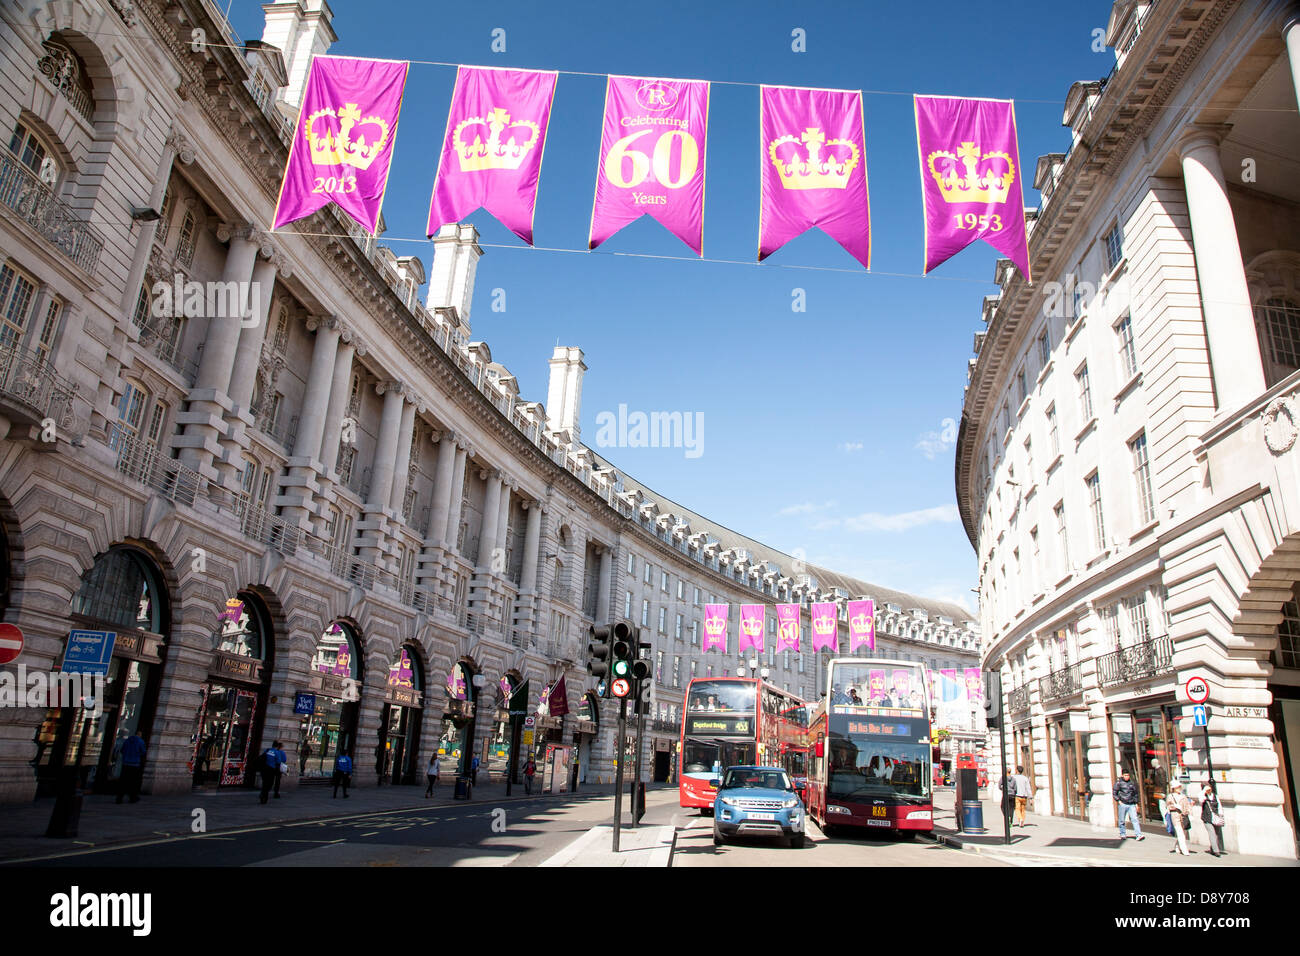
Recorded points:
(11, 643)
(1198, 691)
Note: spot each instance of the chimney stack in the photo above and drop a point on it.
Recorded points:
(455, 260)
(564, 394)
(299, 29)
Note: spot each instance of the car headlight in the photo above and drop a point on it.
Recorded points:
(792, 802)
(727, 801)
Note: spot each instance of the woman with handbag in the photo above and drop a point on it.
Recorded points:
(1180, 815)
(1212, 817)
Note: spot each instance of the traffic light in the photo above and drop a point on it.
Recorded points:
(641, 676)
(598, 653)
(622, 655)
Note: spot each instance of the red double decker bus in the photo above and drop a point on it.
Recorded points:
(869, 747)
(734, 721)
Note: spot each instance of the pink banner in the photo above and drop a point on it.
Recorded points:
(902, 686)
(751, 627)
(343, 142)
(401, 674)
(715, 627)
(971, 178)
(787, 627)
(652, 153)
(456, 688)
(558, 699)
(825, 629)
(876, 687)
(862, 625)
(492, 150)
(974, 686)
(233, 612)
(814, 169)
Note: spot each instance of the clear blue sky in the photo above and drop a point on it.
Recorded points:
(822, 429)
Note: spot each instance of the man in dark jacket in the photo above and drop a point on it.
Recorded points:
(1126, 805)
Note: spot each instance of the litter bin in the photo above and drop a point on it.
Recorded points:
(66, 815)
(972, 816)
(464, 787)
(638, 800)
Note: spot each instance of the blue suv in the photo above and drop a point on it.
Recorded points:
(757, 801)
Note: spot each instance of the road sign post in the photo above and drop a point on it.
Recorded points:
(620, 746)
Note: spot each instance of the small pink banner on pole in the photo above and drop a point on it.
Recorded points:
(751, 627)
(715, 627)
(971, 178)
(787, 627)
(652, 153)
(862, 625)
(825, 628)
(814, 169)
(492, 149)
(342, 146)
(558, 699)
(974, 686)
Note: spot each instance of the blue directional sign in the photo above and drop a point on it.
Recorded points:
(88, 652)
(1199, 716)
(304, 704)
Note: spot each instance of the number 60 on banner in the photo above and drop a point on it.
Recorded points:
(659, 161)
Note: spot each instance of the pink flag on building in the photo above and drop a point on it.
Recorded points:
(233, 612)
(652, 153)
(876, 686)
(456, 689)
(558, 699)
(715, 627)
(342, 145)
(751, 627)
(787, 627)
(971, 178)
(862, 625)
(814, 169)
(825, 626)
(492, 149)
(974, 686)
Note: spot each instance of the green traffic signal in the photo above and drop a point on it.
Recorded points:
(621, 668)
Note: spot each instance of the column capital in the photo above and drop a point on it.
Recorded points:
(1201, 134)
(182, 145)
(391, 385)
(331, 322)
(231, 230)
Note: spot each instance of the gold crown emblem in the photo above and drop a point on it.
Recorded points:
(329, 133)
(494, 154)
(751, 628)
(861, 623)
(824, 625)
(959, 178)
(814, 171)
(714, 626)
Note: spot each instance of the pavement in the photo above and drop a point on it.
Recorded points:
(1058, 841)
(650, 846)
(105, 823)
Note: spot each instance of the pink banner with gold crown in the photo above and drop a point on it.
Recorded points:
(751, 626)
(862, 625)
(971, 178)
(715, 627)
(342, 146)
(825, 626)
(814, 169)
(652, 153)
(787, 627)
(492, 149)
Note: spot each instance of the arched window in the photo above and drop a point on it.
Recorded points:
(241, 629)
(31, 149)
(67, 73)
(124, 590)
(1277, 322)
(17, 290)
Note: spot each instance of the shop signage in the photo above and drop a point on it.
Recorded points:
(88, 652)
(404, 696)
(1250, 743)
(139, 645)
(232, 665)
(1078, 721)
(1198, 691)
(586, 727)
(1122, 723)
(1258, 713)
(304, 704)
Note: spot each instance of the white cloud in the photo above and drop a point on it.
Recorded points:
(904, 521)
(931, 444)
(806, 508)
(850, 446)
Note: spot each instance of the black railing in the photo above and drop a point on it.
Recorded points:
(1149, 659)
(28, 380)
(147, 464)
(23, 193)
(1062, 683)
(1018, 699)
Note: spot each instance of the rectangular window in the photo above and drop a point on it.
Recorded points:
(1029, 459)
(1044, 348)
(697, 597)
(1135, 610)
(663, 620)
(645, 613)
(663, 581)
(1114, 247)
(1110, 625)
(1094, 504)
(16, 293)
(677, 631)
(1127, 349)
(646, 577)
(156, 418)
(1085, 393)
(659, 666)
(681, 590)
(695, 633)
(185, 241)
(677, 670)
(1061, 536)
(1053, 431)
(627, 604)
(45, 333)
(1142, 478)
(631, 564)
(1022, 387)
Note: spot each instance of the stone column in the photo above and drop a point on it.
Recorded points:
(491, 515)
(602, 593)
(457, 497)
(1225, 299)
(338, 403)
(403, 463)
(436, 533)
(503, 520)
(390, 422)
(175, 147)
(249, 352)
(316, 398)
(1291, 36)
(532, 534)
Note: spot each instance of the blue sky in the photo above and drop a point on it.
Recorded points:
(823, 429)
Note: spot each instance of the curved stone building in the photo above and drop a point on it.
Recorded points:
(1127, 466)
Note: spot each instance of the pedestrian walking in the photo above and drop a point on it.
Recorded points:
(133, 753)
(1023, 794)
(1180, 815)
(473, 770)
(273, 763)
(342, 774)
(530, 770)
(435, 765)
(1126, 805)
(1008, 788)
(1212, 817)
